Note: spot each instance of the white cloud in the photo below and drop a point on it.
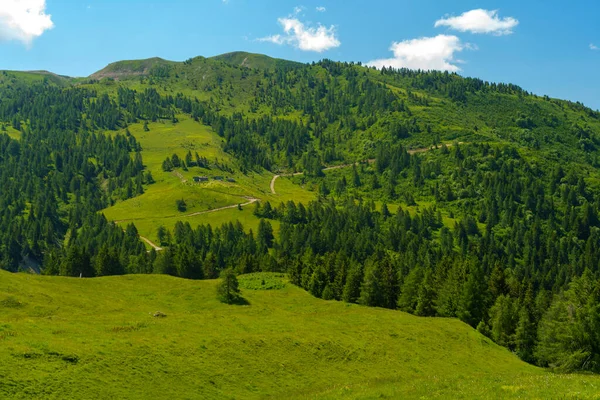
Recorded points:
(296, 33)
(426, 53)
(321, 9)
(593, 47)
(480, 21)
(23, 20)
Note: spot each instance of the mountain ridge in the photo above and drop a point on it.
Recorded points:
(125, 69)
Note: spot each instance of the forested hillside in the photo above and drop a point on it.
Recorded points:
(454, 197)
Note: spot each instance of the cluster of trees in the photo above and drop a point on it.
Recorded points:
(98, 248)
(59, 173)
(148, 105)
(189, 161)
(339, 92)
(204, 252)
(260, 142)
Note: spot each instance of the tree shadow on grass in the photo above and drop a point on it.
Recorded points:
(240, 301)
(235, 301)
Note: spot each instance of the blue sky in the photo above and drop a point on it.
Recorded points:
(547, 47)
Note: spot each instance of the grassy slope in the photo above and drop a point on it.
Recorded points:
(77, 338)
(251, 60)
(157, 207)
(131, 68)
(6, 77)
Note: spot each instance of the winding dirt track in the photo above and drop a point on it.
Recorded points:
(155, 247)
(250, 201)
(371, 161)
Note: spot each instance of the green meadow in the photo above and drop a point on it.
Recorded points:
(156, 207)
(70, 338)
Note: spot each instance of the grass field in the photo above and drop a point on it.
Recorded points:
(65, 338)
(157, 207)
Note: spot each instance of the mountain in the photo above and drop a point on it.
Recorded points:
(100, 338)
(425, 192)
(157, 67)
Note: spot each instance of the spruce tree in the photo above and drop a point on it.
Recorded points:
(228, 289)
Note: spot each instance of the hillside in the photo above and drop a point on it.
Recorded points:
(254, 61)
(133, 68)
(79, 338)
(428, 192)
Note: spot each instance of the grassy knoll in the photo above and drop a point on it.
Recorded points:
(69, 338)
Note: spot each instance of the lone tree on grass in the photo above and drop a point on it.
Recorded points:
(228, 290)
(181, 205)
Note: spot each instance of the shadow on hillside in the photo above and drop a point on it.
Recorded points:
(235, 301)
(240, 301)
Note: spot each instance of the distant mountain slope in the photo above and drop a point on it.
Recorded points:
(250, 60)
(160, 68)
(132, 68)
(28, 77)
(99, 338)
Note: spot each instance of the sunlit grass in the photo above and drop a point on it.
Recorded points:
(72, 338)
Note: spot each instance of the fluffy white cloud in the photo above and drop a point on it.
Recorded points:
(296, 33)
(593, 47)
(23, 20)
(321, 9)
(427, 53)
(480, 21)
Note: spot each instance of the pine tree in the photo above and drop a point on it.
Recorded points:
(503, 321)
(472, 303)
(407, 301)
(355, 177)
(265, 236)
(162, 235)
(385, 212)
(317, 282)
(569, 332)
(426, 297)
(228, 289)
(164, 263)
(327, 293)
(351, 291)
(370, 291)
(209, 266)
(525, 334)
